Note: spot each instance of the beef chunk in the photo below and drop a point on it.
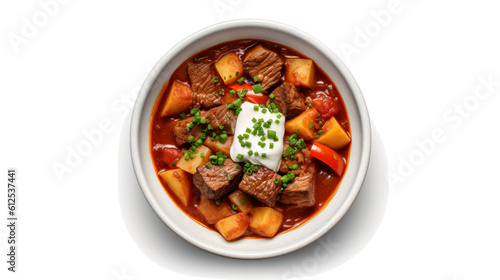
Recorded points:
(205, 91)
(181, 134)
(301, 190)
(222, 116)
(217, 181)
(262, 185)
(264, 64)
(288, 99)
(302, 158)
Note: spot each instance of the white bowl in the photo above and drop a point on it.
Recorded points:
(249, 248)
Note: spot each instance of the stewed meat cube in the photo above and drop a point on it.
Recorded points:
(289, 100)
(205, 89)
(221, 119)
(182, 133)
(263, 64)
(215, 181)
(301, 190)
(264, 185)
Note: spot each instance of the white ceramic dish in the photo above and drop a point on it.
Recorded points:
(284, 243)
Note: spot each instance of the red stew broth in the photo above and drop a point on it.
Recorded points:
(326, 182)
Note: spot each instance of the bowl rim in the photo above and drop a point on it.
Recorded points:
(365, 128)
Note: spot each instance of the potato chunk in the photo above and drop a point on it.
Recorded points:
(179, 181)
(217, 146)
(191, 164)
(300, 124)
(299, 72)
(230, 68)
(265, 221)
(233, 226)
(179, 99)
(334, 137)
(241, 200)
(213, 212)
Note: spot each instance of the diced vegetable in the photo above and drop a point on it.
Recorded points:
(242, 200)
(191, 164)
(233, 226)
(179, 182)
(265, 221)
(217, 146)
(213, 212)
(299, 72)
(229, 68)
(256, 98)
(325, 105)
(179, 99)
(328, 156)
(171, 155)
(300, 124)
(334, 136)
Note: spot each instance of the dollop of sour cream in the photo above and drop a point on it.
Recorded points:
(258, 136)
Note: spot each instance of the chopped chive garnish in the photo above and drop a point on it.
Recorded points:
(264, 111)
(316, 135)
(271, 96)
(202, 155)
(240, 80)
(255, 79)
(271, 134)
(311, 125)
(318, 115)
(250, 153)
(277, 122)
(271, 145)
(239, 156)
(215, 79)
(257, 88)
(242, 201)
(237, 73)
(320, 122)
(279, 116)
(297, 130)
(321, 132)
(221, 92)
(217, 201)
(264, 154)
(182, 115)
(309, 105)
(232, 92)
(238, 102)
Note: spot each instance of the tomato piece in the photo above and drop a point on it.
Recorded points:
(256, 98)
(171, 155)
(330, 157)
(325, 105)
(238, 87)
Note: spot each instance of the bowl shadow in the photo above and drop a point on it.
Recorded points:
(164, 247)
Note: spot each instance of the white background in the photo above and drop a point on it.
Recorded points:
(428, 210)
